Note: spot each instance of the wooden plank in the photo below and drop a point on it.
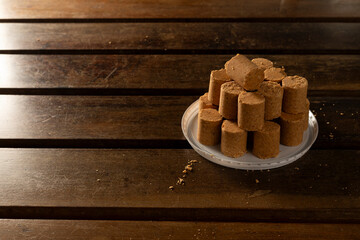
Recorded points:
(45, 229)
(34, 9)
(322, 186)
(129, 119)
(324, 72)
(181, 36)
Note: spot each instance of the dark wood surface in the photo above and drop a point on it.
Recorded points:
(79, 9)
(121, 121)
(130, 74)
(182, 36)
(92, 95)
(323, 186)
(98, 230)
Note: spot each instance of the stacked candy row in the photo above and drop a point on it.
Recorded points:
(253, 105)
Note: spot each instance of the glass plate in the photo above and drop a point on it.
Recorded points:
(248, 161)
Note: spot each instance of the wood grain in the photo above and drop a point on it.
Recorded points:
(96, 230)
(125, 121)
(64, 120)
(22, 73)
(181, 36)
(168, 48)
(322, 186)
(35, 9)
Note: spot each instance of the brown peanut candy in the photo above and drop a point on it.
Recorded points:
(292, 128)
(267, 141)
(244, 72)
(205, 103)
(263, 63)
(274, 74)
(295, 93)
(229, 94)
(251, 111)
(233, 139)
(217, 78)
(209, 127)
(273, 94)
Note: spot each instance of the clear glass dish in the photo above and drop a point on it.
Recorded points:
(248, 161)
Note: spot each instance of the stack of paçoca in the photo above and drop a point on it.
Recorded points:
(253, 106)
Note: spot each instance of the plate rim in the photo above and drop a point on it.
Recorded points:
(241, 165)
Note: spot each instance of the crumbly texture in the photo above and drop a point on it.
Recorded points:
(229, 100)
(268, 88)
(232, 88)
(292, 129)
(233, 139)
(231, 127)
(205, 103)
(217, 78)
(269, 127)
(267, 141)
(274, 74)
(263, 63)
(273, 94)
(294, 82)
(291, 117)
(210, 115)
(259, 108)
(251, 98)
(244, 72)
(251, 111)
(220, 75)
(295, 93)
(209, 127)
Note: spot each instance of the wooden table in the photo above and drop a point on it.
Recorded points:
(92, 93)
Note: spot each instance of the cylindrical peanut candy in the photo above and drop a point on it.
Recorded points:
(295, 92)
(244, 72)
(251, 111)
(263, 63)
(205, 103)
(233, 139)
(292, 128)
(209, 127)
(267, 141)
(229, 94)
(274, 74)
(306, 118)
(217, 78)
(273, 94)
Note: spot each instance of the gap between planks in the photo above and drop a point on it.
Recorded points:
(186, 20)
(181, 51)
(148, 92)
(183, 214)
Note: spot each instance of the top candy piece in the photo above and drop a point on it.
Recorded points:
(246, 73)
